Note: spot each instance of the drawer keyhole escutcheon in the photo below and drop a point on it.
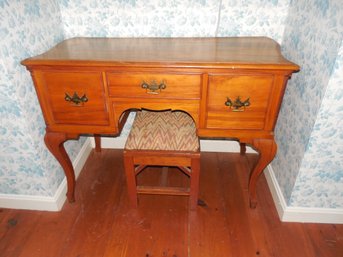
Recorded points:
(153, 87)
(238, 105)
(75, 99)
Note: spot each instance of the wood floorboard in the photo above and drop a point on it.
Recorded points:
(98, 208)
(18, 229)
(102, 224)
(236, 200)
(208, 230)
(157, 228)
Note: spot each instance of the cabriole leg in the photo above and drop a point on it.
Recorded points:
(267, 150)
(54, 141)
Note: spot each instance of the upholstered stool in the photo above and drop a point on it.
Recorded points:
(162, 139)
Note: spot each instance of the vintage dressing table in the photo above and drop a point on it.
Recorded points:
(232, 87)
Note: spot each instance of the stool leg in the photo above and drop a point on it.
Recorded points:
(130, 179)
(194, 184)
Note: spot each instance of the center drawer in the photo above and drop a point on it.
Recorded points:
(154, 85)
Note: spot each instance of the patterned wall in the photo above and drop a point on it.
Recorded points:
(139, 18)
(312, 39)
(253, 18)
(26, 167)
(174, 18)
(320, 179)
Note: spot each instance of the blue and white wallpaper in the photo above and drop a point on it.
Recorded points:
(320, 179)
(312, 39)
(26, 167)
(308, 165)
(140, 18)
(253, 18)
(174, 18)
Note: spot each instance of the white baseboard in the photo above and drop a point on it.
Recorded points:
(299, 214)
(46, 203)
(111, 142)
(206, 145)
(223, 146)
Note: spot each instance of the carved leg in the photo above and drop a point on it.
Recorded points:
(97, 139)
(243, 148)
(267, 150)
(54, 141)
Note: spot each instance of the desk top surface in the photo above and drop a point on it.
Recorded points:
(229, 52)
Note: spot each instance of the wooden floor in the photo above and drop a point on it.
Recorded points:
(101, 224)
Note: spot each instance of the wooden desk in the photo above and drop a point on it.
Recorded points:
(232, 87)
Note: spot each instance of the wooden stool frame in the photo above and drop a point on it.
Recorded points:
(180, 159)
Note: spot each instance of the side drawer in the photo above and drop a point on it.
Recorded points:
(238, 101)
(154, 85)
(73, 97)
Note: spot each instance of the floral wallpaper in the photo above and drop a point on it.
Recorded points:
(320, 179)
(26, 167)
(312, 39)
(139, 18)
(308, 165)
(253, 18)
(174, 18)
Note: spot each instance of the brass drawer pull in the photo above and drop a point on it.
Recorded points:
(75, 99)
(153, 87)
(237, 105)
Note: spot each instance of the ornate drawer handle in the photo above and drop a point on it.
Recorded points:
(75, 99)
(153, 87)
(237, 105)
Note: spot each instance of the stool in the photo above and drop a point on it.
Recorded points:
(162, 139)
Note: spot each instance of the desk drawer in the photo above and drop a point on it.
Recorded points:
(154, 85)
(74, 97)
(238, 101)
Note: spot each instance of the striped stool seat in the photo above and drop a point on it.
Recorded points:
(164, 139)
